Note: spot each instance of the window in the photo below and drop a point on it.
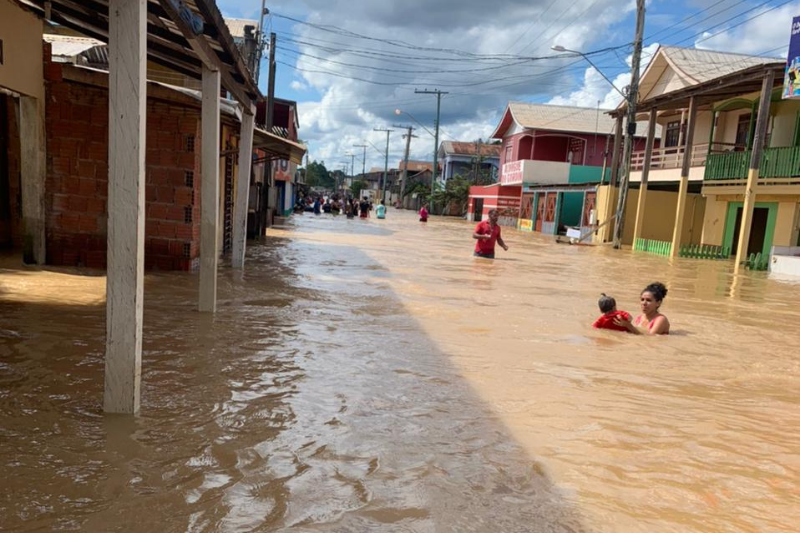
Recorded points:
(508, 154)
(742, 131)
(673, 134)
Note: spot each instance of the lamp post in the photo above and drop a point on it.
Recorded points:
(631, 99)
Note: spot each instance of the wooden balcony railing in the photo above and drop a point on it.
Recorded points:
(783, 162)
(672, 157)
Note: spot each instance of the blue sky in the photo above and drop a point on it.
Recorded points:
(348, 78)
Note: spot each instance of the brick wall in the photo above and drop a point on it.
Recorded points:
(11, 211)
(77, 179)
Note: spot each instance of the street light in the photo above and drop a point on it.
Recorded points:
(559, 48)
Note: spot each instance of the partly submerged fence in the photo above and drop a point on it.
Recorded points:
(653, 246)
(705, 251)
(757, 262)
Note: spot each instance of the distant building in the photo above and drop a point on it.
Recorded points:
(466, 159)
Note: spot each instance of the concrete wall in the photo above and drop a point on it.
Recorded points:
(11, 229)
(22, 68)
(659, 219)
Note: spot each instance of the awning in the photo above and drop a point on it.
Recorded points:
(278, 146)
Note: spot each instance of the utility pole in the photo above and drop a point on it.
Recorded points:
(363, 159)
(270, 115)
(633, 98)
(403, 179)
(438, 94)
(386, 162)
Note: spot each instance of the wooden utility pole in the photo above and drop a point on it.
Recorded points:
(630, 134)
(386, 162)
(404, 176)
(438, 94)
(753, 172)
(269, 122)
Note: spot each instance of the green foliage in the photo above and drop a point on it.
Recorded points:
(453, 196)
(356, 187)
(319, 176)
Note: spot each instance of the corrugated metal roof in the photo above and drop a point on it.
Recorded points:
(70, 46)
(236, 26)
(561, 118)
(705, 65)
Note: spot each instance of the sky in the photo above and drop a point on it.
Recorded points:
(352, 65)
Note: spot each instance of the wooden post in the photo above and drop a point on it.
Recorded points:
(209, 193)
(557, 214)
(684, 185)
(32, 178)
(752, 175)
(242, 190)
(127, 104)
(615, 156)
(648, 156)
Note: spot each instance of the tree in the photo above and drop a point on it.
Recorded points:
(357, 187)
(318, 176)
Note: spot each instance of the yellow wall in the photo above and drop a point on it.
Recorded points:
(659, 218)
(22, 68)
(786, 224)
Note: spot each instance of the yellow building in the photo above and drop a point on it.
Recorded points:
(708, 105)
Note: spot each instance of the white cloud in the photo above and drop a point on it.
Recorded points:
(349, 109)
(298, 85)
(767, 34)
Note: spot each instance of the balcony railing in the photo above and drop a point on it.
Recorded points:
(781, 162)
(672, 157)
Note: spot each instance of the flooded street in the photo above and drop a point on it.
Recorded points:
(374, 376)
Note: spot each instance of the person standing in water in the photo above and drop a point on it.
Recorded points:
(380, 211)
(487, 233)
(651, 321)
(364, 207)
(423, 213)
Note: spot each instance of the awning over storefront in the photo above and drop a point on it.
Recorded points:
(278, 146)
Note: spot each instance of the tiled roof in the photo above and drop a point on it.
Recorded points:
(416, 166)
(470, 148)
(705, 65)
(561, 118)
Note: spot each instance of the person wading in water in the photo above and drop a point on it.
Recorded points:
(487, 233)
(651, 321)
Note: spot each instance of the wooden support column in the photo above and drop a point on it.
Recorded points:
(209, 191)
(242, 190)
(683, 191)
(127, 103)
(557, 214)
(648, 157)
(32, 174)
(752, 174)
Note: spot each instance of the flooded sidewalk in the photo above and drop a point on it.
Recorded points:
(374, 376)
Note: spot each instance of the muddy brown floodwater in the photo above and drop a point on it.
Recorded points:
(374, 376)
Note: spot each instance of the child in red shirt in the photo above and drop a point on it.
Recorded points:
(608, 306)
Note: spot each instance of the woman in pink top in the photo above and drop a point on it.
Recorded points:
(651, 321)
(423, 213)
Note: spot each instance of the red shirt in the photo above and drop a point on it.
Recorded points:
(423, 214)
(607, 321)
(486, 246)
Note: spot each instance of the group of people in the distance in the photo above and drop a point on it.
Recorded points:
(650, 322)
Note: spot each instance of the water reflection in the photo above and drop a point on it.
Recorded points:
(374, 376)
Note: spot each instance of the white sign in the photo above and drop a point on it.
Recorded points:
(512, 173)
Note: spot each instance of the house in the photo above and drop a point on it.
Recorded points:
(278, 195)
(469, 160)
(710, 105)
(556, 157)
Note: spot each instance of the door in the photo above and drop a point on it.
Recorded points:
(526, 207)
(761, 232)
(5, 200)
(477, 209)
(742, 132)
(540, 212)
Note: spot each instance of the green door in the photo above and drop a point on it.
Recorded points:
(761, 233)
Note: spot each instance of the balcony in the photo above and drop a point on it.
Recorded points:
(530, 172)
(672, 157)
(783, 162)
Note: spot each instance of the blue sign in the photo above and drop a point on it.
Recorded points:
(791, 80)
